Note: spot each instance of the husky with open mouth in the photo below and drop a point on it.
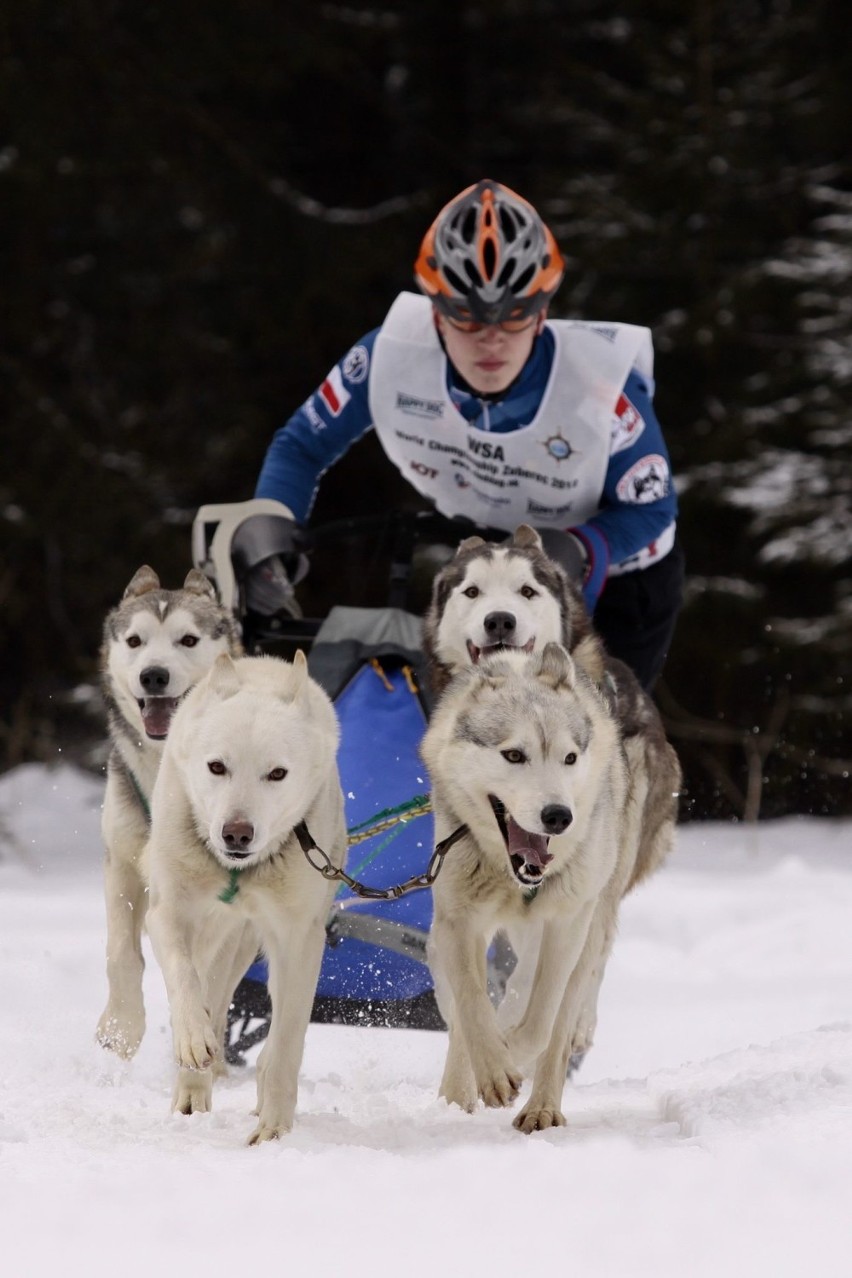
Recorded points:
(562, 813)
(157, 644)
(493, 596)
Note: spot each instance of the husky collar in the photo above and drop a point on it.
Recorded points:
(227, 894)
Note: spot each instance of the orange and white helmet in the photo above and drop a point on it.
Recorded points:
(488, 257)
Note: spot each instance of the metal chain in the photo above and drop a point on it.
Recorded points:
(326, 867)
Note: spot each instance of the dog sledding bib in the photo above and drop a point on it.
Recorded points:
(550, 473)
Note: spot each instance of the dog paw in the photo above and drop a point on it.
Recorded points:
(538, 1118)
(267, 1130)
(458, 1086)
(120, 1034)
(193, 1092)
(465, 1099)
(501, 1089)
(196, 1046)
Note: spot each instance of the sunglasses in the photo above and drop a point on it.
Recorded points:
(505, 326)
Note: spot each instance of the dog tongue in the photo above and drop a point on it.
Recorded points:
(532, 848)
(157, 714)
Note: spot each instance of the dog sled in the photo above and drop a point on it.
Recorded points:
(370, 662)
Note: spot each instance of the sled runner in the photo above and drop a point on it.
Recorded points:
(370, 663)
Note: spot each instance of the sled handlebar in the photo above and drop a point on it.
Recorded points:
(215, 528)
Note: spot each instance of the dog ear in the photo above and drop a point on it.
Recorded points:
(223, 679)
(198, 584)
(300, 673)
(526, 538)
(554, 666)
(143, 580)
(469, 543)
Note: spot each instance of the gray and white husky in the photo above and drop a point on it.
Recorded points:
(507, 596)
(563, 810)
(493, 596)
(156, 645)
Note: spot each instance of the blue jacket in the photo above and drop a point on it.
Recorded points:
(337, 414)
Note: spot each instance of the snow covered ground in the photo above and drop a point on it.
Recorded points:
(710, 1130)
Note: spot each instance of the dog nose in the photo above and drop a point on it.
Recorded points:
(555, 818)
(499, 626)
(155, 680)
(237, 835)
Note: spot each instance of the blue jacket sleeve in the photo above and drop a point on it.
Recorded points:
(638, 501)
(317, 435)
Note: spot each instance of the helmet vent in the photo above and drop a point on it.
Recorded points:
(507, 225)
(523, 280)
(489, 258)
(506, 273)
(473, 274)
(455, 281)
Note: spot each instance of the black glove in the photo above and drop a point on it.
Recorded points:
(566, 550)
(269, 560)
(269, 590)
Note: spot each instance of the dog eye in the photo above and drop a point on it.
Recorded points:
(528, 592)
(471, 592)
(189, 641)
(571, 758)
(217, 767)
(277, 774)
(133, 641)
(514, 756)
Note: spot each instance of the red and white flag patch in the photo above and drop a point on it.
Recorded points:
(333, 393)
(627, 425)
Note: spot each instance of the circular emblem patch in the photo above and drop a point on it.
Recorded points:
(646, 480)
(558, 448)
(356, 364)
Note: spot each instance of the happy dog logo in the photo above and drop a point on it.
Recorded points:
(647, 480)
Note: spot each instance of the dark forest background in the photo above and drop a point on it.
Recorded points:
(203, 205)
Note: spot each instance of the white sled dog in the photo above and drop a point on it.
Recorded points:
(156, 644)
(249, 773)
(564, 812)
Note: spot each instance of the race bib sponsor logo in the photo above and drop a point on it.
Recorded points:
(486, 448)
(646, 480)
(546, 512)
(356, 365)
(317, 423)
(491, 499)
(627, 425)
(418, 407)
(420, 468)
(333, 393)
